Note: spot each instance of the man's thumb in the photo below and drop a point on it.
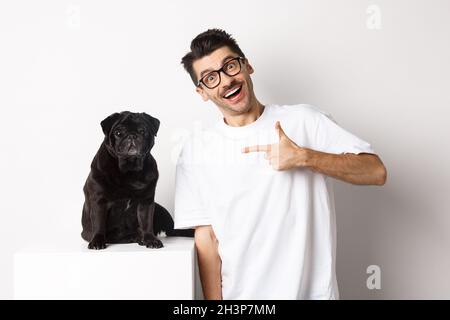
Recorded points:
(280, 130)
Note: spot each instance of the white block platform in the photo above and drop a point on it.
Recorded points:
(121, 271)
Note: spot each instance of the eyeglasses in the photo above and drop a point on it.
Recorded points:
(231, 68)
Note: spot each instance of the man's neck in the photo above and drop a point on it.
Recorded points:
(244, 119)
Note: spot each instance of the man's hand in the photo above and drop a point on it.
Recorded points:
(285, 154)
(362, 169)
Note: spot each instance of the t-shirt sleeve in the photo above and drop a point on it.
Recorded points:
(189, 208)
(332, 138)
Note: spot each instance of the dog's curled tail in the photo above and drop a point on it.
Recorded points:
(163, 221)
(181, 233)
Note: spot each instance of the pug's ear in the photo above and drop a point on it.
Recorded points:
(152, 122)
(108, 123)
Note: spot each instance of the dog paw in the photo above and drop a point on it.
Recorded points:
(98, 242)
(151, 242)
(154, 244)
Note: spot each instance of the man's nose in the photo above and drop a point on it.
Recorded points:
(225, 79)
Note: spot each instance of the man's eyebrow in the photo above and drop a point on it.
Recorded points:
(223, 61)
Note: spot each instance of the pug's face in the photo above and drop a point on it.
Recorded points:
(129, 134)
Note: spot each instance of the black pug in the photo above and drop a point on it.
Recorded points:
(119, 192)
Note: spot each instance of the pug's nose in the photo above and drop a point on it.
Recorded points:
(132, 136)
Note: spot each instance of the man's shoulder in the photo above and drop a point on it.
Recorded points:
(297, 109)
(198, 141)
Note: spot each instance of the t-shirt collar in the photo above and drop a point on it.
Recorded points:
(242, 131)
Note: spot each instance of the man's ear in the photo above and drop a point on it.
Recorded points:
(152, 122)
(109, 122)
(249, 67)
(202, 93)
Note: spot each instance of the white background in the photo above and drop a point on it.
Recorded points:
(66, 65)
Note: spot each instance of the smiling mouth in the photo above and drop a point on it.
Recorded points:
(233, 93)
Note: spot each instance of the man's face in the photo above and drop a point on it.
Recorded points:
(237, 103)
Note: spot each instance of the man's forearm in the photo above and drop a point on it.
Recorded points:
(352, 168)
(209, 264)
(362, 169)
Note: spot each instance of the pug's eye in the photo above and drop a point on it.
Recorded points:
(141, 130)
(118, 133)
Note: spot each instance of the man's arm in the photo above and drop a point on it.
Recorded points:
(363, 169)
(209, 262)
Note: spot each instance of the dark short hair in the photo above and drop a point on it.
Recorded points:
(204, 44)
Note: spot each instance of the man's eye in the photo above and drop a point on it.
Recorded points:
(211, 78)
(231, 66)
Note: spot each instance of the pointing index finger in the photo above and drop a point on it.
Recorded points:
(257, 148)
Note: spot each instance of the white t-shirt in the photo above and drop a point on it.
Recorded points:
(276, 229)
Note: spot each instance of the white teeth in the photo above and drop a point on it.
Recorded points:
(231, 92)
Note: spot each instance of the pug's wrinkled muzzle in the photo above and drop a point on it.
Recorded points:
(132, 149)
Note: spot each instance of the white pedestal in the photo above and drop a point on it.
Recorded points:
(121, 271)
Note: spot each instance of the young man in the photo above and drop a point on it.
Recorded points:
(256, 186)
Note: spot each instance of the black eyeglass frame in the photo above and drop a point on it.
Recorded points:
(221, 70)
